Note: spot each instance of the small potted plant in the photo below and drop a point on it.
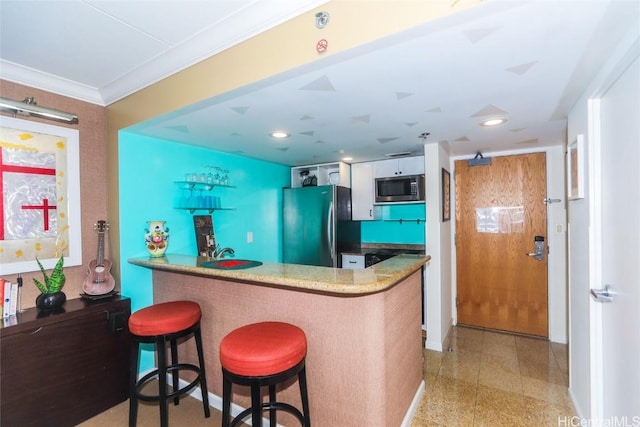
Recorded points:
(51, 297)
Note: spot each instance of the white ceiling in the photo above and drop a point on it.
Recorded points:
(524, 61)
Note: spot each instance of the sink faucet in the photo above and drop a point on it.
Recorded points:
(213, 250)
(219, 253)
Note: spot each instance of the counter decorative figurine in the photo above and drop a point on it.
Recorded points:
(156, 238)
(51, 296)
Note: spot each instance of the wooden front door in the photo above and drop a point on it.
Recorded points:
(500, 210)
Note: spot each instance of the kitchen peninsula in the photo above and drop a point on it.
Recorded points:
(364, 360)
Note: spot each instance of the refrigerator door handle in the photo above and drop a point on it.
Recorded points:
(330, 233)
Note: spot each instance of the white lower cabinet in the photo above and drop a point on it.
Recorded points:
(362, 193)
(353, 262)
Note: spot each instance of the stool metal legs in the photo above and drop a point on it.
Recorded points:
(161, 372)
(228, 379)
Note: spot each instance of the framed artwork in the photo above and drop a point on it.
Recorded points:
(575, 168)
(40, 189)
(446, 195)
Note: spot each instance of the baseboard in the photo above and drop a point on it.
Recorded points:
(558, 338)
(215, 402)
(433, 345)
(577, 408)
(408, 417)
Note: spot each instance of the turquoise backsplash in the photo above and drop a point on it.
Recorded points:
(398, 224)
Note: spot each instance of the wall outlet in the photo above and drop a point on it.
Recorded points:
(249, 236)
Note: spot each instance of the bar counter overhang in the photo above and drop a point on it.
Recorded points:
(364, 359)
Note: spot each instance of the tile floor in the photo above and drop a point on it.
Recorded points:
(488, 379)
(495, 379)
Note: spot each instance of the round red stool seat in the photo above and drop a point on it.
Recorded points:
(259, 355)
(262, 349)
(164, 318)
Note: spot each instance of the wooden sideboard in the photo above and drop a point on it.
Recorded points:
(65, 367)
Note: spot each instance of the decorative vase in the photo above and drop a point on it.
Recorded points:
(51, 301)
(156, 238)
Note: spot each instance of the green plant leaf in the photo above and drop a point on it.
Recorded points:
(40, 286)
(57, 279)
(53, 283)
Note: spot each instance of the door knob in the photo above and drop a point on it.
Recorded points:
(602, 295)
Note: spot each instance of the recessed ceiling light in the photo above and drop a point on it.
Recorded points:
(347, 159)
(493, 122)
(279, 134)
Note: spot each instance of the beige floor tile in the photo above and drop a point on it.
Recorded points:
(433, 412)
(546, 413)
(467, 371)
(432, 360)
(499, 400)
(454, 391)
(484, 417)
(561, 353)
(506, 361)
(500, 349)
(500, 378)
(537, 356)
(471, 343)
(496, 338)
(548, 392)
(467, 332)
(429, 381)
(548, 373)
(490, 379)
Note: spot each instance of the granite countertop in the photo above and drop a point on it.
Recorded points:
(376, 278)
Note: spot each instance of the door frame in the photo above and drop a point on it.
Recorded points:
(594, 176)
(556, 237)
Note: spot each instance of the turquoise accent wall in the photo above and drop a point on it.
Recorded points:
(389, 229)
(148, 168)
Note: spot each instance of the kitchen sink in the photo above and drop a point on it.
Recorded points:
(230, 264)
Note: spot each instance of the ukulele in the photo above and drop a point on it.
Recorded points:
(99, 281)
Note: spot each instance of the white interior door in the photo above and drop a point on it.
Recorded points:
(616, 250)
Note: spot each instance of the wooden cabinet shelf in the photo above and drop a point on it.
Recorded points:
(63, 368)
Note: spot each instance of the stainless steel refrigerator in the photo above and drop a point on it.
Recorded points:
(317, 225)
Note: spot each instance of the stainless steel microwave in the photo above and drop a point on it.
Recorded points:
(408, 188)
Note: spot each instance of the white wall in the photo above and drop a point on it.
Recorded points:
(438, 295)
(580, 315)
(440, 274)
(557, 237)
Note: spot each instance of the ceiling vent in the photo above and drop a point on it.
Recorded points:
(401, 154)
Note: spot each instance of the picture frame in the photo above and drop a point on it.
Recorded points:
(43, 222)
(575, 168)
(446, 195)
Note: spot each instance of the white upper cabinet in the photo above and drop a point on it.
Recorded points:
(338, 173)
(399, 166)
(362, 193)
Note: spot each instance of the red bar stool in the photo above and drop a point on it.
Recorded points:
(159, 324)
(263, 354)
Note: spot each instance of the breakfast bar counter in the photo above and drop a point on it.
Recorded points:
(295, 276)
(364, 357)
